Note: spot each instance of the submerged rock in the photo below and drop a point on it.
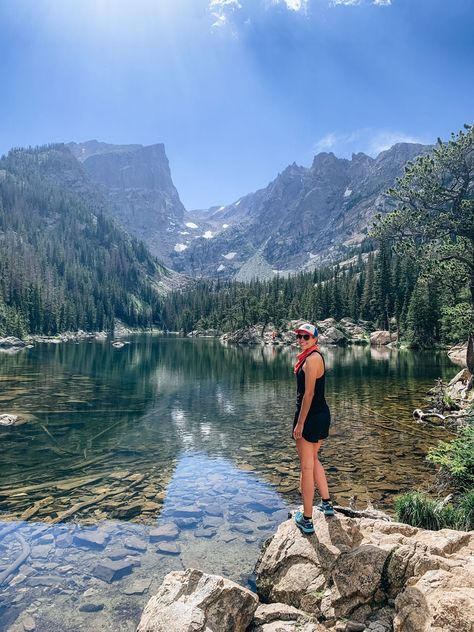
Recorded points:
(193, 601)
(110, 571)
(8, 420)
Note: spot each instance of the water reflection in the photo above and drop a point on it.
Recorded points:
(97, 410)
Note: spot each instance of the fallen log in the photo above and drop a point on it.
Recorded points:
(95, 500)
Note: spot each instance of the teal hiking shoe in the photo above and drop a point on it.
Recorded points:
(326, 508)
(306, 526)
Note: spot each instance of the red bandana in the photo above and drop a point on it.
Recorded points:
(302, 357)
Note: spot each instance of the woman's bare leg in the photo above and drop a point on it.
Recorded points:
(306, 454)
(319, 474)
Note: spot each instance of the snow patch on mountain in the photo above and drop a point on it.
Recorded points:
(229, 255)
(180, 247)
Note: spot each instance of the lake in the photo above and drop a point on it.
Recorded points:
(175, 452)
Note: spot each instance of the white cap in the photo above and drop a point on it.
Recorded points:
(308, 328)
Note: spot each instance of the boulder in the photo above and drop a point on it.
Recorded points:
(246, 336)
(279, 617)
(325, 324)
(458, 387)
(458, 353)
(356, 332)
(10, 341)
(352, 567)
(203, 333)
(333, 336)
(382, 337)
(193, 601)
(440, 601)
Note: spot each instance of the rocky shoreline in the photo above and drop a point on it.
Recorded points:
(354, 574)
(331, 332)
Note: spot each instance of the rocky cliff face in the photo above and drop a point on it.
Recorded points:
(304, 217)
(136, 182)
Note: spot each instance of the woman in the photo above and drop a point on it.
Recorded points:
(311, 425)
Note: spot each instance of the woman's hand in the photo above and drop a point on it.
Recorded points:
(298, 431)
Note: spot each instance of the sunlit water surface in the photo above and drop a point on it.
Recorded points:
(183, 434)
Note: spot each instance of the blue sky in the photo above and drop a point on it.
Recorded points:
(236, 89)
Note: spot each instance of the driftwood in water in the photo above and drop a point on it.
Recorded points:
(33, 510)
(92, 501)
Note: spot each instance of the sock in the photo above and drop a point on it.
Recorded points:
(307, 517)
(326, 500)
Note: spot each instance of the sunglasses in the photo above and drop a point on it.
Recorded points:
(304, 336)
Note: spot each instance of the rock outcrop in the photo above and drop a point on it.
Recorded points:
(331, 332)
(353, 574)
(354, 568)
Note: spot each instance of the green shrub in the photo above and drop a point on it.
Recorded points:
(465, 512)
(420, 510)
(457, 457)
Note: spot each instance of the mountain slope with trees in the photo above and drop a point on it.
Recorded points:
(65, 265)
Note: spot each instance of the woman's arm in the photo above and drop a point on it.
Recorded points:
(313, 370)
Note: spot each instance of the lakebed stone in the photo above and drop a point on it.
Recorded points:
(110, 570)
(91, 539)
(164, 532)
(193, 601)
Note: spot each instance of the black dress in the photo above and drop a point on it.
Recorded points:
(318, 419)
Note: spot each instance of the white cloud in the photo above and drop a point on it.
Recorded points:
(219, 10)
(351, 3)
(222, 11)
(368, 140)
(334, 140)
(384, 139)
(292, 5)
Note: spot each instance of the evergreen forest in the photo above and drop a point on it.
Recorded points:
(65, 265)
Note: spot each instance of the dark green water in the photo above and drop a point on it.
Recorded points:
(183, 431)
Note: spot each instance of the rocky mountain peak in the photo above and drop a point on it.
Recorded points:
(137, 184)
